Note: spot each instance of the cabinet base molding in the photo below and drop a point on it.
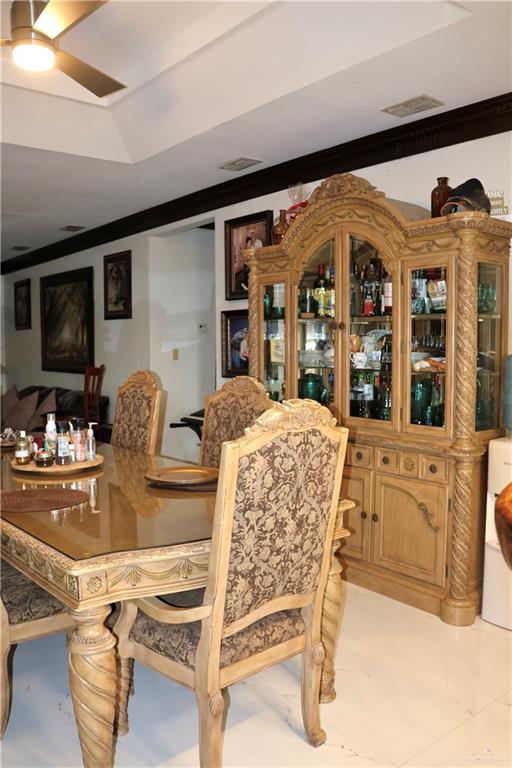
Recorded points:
(460, 613)
(405, 593)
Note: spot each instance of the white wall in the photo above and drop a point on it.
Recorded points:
(122, 345)
(182, 296)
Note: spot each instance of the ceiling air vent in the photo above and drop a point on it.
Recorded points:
(412, 106)
(72, 228)
(20, 248)
(239, 165)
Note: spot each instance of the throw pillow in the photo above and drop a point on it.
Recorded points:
(9, 400)
(20, 414)
(48, 405)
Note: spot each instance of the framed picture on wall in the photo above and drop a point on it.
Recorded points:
(117, 286)
(22, 307)
(253, 231)
(67, 321)
(235, 343)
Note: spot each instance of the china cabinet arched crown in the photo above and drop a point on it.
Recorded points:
(398, 323)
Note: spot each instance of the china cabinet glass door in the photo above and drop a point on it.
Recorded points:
(489, 303)
(316, 327)
(274, 325)
(370, 333)
(427, 368)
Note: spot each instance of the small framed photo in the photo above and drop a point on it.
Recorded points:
(22, 308)
(117, 286)
(253, 231)
(235, 343)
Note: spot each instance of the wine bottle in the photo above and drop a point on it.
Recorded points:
(330, 296)
(319, 287)
(387, 294)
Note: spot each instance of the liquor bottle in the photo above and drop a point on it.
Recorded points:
(330, 295)
(368, 303)
(439, 196)
(355, 292)
(385, 400)
(278, 301)
(387, 294)
(319, 291)
(386, 358)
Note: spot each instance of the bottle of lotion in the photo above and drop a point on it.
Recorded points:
(90, 450)
(51, 432)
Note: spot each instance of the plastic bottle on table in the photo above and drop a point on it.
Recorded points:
(90, 451)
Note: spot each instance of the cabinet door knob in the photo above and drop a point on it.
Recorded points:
(385, 459)
(433, 468)
(364, 515)
(375, 517)
(359, 455)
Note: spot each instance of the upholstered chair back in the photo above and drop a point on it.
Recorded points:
(228, 412)
(136, 418)
(281, 517)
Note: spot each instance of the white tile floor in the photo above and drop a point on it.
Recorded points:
(412, 691)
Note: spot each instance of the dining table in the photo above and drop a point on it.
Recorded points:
(130, 539)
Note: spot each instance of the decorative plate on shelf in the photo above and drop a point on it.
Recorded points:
(183, 476)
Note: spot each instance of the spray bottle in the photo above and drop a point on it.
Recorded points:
(90, 450)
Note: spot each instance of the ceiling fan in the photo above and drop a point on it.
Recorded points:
(35, 29)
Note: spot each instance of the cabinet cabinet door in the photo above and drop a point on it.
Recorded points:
(356, 486)
(409, 528)
(491, 348)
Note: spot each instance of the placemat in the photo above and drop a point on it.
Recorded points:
(42, 500)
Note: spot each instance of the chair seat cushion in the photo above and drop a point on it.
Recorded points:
(23, 599)
(178, 642)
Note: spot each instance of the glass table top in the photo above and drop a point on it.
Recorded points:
(123, 512)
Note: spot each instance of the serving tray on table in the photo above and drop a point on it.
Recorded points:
(58, 469)
(183, 477)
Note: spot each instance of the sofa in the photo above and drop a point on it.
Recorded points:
(27, 408)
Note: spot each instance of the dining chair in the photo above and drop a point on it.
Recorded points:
(228, 411)
(93, 380)
(270, 557)
(27, 612)
(136, 419)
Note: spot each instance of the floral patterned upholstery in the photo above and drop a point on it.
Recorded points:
(134, 417)
(228, 412)
(179, 642)
(282, 504)
(23, 599)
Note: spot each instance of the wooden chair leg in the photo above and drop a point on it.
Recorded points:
(6, 653)
(312, 660)
(213, 711)
(124, 689)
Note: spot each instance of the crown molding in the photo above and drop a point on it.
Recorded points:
(474, 121)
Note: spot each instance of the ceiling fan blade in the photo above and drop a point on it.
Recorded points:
(90, 78)
(58, 17)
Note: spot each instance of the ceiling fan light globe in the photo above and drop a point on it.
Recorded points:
(33, 55)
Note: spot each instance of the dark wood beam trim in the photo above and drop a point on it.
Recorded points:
(475, 121)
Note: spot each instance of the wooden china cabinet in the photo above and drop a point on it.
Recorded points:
(404, 340)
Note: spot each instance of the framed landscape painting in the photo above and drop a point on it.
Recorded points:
(235, 343)
(67, 321)
(117, 286)
(22, 308)
(253, 231)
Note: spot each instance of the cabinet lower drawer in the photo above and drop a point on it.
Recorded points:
(433, 468)
(387, 459)
(359, 455)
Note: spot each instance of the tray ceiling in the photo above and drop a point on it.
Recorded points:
(212, 81)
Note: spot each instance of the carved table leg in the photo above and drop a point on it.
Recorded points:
(92, 675)
(331, 619)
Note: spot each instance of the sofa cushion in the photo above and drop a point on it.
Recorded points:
(48, 405)
(22, 412)
(9, 400)
(70, 402)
